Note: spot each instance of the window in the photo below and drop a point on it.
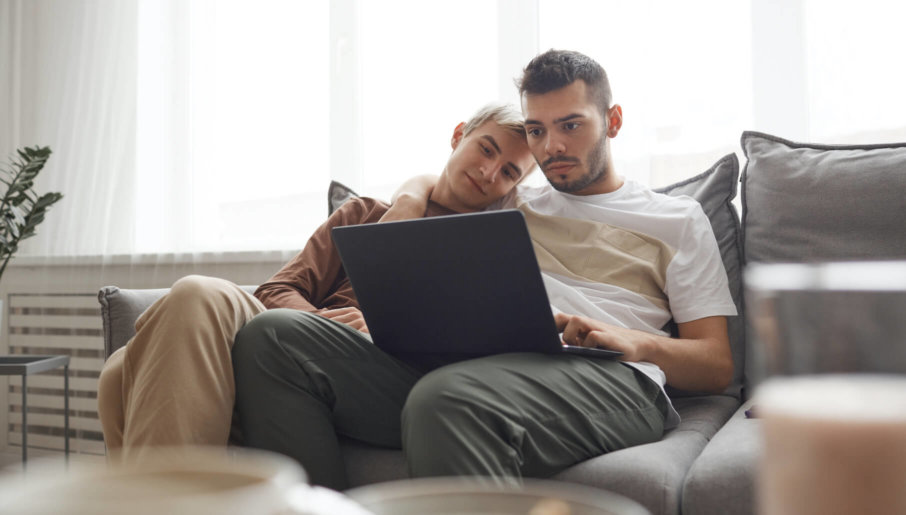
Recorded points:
(855, 81)
(426, 66)
(246, 148)
(683, 79)
(225, 130)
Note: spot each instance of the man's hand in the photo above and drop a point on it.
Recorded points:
(699, 360)
(349, 316)
(406, 206)
(411, 199)
(586, 332)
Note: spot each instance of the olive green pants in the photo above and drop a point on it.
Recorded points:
(302, 380)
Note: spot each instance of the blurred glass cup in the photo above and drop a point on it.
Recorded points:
(826, 318)
(197, 480)
(833, 444)
(476, 496)
(829, 358)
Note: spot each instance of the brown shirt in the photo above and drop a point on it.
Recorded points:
(314, 280)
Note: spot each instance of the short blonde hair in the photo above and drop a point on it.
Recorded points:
(504, 115)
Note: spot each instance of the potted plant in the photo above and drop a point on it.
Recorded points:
(21, 209)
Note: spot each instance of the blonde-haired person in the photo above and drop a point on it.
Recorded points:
(172, 384)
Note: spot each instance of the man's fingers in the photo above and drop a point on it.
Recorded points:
(333, 313)
(347, 318)
(596, 339)
(572, 332)
(561, 319)
(350, 316)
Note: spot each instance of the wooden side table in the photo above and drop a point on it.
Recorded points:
(26, 366)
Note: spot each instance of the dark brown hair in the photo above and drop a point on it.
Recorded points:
(557, 69)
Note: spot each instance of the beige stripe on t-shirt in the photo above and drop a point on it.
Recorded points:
(596, 252)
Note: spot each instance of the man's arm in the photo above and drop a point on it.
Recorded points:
(699, 360)
(411, 199)
(316, 272)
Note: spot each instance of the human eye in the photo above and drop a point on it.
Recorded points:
(533, 132)
(512, 173)
(571, 126)
(486, 150)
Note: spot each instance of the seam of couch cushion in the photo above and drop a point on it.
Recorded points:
(817, 146)
(105, 316)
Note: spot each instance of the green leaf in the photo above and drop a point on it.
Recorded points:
(21, 209)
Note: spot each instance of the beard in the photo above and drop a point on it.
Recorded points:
(597, 169)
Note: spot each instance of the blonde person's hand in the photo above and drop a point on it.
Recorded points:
(349, 316)
(411, 199)
(405, 207)
(586, 332)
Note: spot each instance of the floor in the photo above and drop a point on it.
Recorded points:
(45, 460)
(33, 488)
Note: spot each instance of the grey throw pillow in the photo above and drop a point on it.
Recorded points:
(806, 203)
(337, 194)
(715, 190)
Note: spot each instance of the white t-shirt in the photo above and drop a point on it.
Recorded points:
(631, 258)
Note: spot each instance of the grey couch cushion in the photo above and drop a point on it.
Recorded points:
(653, 474)
(715, 190)
(805, 202)
(722, 480)
(337, 194)
(367, 464)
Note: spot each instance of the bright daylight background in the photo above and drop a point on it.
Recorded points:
(203, 125)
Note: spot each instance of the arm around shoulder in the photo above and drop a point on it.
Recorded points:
(410, 200)
(312, 274)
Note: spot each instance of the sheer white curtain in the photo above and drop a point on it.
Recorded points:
(176, 126)
(692, 75)
(232, 118)
(683, 78)
(69, 79)
(183, 126)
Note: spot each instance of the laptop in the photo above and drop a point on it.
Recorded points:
(464, 284)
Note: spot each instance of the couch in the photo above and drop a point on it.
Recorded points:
(800, 203)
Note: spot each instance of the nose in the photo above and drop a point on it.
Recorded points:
(490, 170)
(554, 145)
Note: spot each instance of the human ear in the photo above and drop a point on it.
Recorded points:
(457, 135)
(614, 120)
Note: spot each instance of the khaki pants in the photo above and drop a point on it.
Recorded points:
(172, 384)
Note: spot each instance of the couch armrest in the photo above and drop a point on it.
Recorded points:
(120, 308)
(119, 311)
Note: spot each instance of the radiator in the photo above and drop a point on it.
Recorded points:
(45, 323)
(51, 307)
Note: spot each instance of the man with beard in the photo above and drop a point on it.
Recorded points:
(619, 262)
